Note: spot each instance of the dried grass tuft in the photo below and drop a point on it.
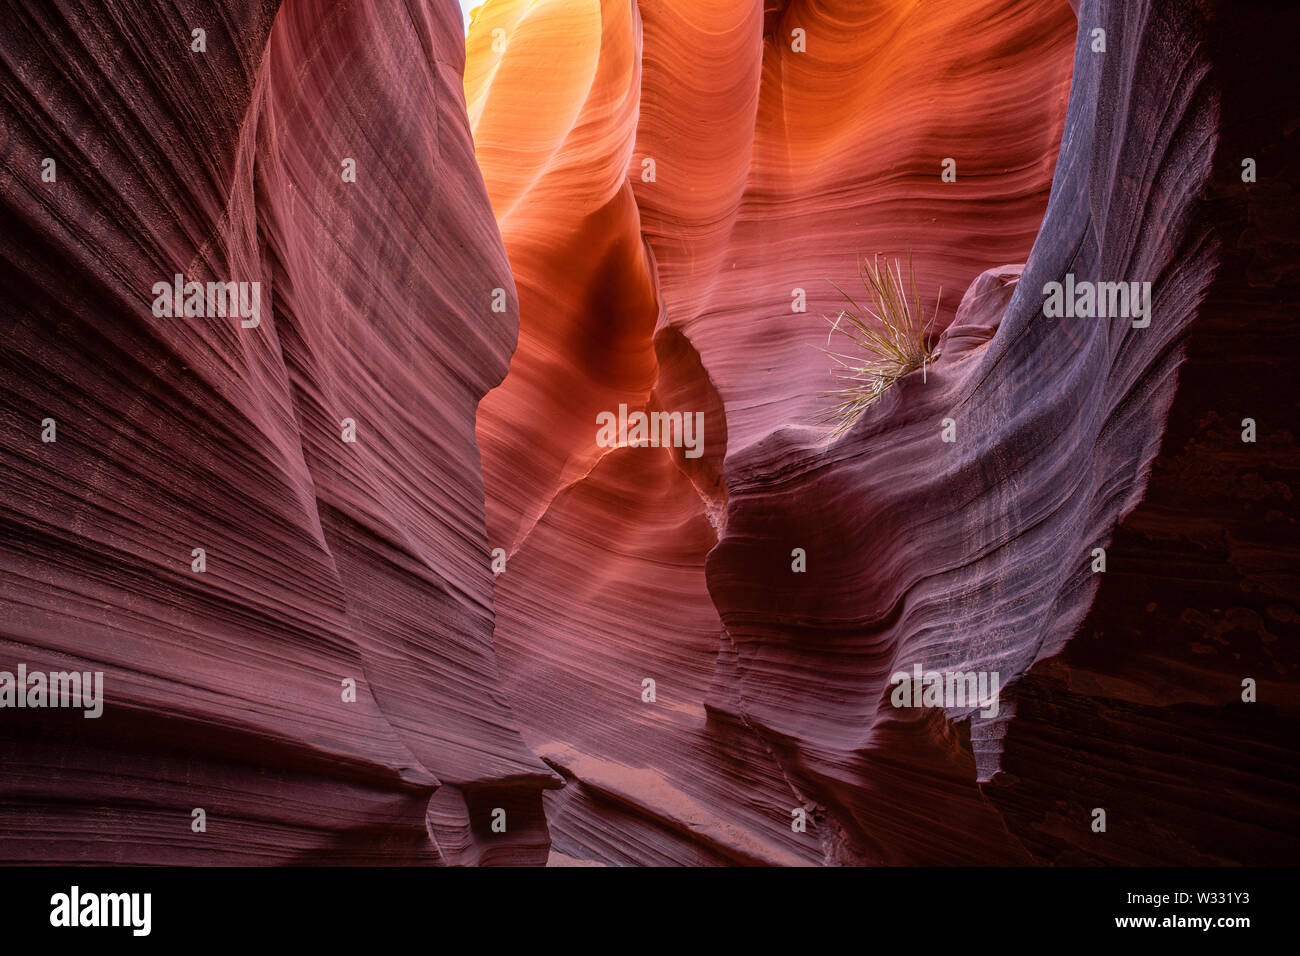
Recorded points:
(887, 340)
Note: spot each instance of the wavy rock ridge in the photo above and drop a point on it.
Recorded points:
(326, 561)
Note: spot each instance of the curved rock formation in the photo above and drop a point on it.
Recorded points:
(325, 560)
(326, 622)
(974, 555)
(984, 487)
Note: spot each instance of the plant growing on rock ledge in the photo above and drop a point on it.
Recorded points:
(888, 339)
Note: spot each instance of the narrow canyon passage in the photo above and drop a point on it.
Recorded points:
(368, 581)
(690, 234)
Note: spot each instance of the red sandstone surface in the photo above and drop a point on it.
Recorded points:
(592, 203)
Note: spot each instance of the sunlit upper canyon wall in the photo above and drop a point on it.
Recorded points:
(365, 579)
